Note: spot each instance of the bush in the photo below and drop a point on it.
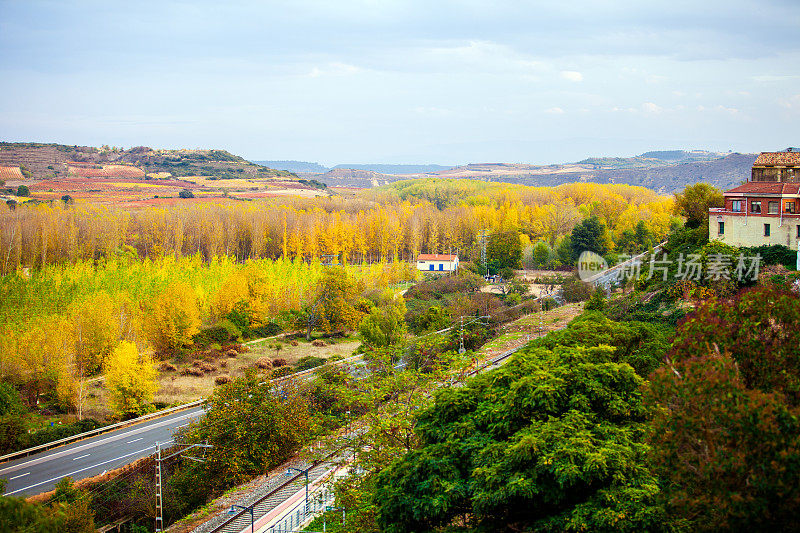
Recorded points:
(186, 193)
(282, 372)
(318, 343)
(167, 367)
(308, 362)
(279, 362)
(773, 255)
(222, 380)
(23, 190)
(597, 302)
(264, 363)
(575, 290)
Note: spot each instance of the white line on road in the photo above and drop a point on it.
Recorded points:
(21, 475)
(59, 452)
(77, 471)
(134, 440)
(81, 457)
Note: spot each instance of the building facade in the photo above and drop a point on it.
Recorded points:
(437, 262)
(766, 209)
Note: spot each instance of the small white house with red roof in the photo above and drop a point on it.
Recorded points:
(766, 209)
(437, 262)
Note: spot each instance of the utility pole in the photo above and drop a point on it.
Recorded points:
(461, 337)
(159, 478)
(159, 494)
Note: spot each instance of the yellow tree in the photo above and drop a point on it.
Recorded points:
(130, 379)
(174, 318)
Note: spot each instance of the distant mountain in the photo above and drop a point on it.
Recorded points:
(44, 161)
(664, 171)
(396, 169)
(724, 172)
(294, 166)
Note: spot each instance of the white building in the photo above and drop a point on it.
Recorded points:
(437, 262)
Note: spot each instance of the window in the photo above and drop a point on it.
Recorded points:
(798, 232)
(755, 207)
(772, 208)
(441, 266)
(430, 267)
(766, 230)
(790, 207)
(736, 206)
(722, 228)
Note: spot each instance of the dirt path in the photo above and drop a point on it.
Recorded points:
(518, 333)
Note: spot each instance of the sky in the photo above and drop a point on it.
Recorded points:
(385, 81)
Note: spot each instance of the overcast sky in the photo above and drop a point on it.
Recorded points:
(382, 81)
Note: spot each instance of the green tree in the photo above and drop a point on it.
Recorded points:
(552, 441)
(589, 235)
(695, 200)
(541, 254)
(504, 250)
(334, 303)
(252, 427)
(383, 326)
(130, 379)
(23, 190)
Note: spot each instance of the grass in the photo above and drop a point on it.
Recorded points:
(177, 389)
(330, 522)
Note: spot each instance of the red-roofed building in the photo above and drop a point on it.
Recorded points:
(766, 209)
(437, 262)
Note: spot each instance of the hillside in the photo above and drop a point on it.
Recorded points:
(664, 171)
(48, 161)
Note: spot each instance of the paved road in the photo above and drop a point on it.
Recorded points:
(90, 457)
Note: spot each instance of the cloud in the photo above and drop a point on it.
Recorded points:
(770, 78)
(555, 111)
(482, 56)
(333, 69)
(792, 103)
(572, 75)
(650, 107)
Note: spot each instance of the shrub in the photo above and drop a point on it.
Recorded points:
(279, 362)
(191, 371)
(167, 367)
(231, 353)
(575, 290)
(264, 363)
(318, 343)
(308, 362)
(282, 372)
(23, 190)
(222, 380)
(186, 193)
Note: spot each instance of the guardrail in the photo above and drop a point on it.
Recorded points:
(105, 429)
(99, 431)
(599, 277)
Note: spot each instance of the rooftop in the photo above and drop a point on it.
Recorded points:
(436, 257)
(772, 159)
(765, 187)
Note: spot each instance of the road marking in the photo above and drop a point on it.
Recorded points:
(76, 471)
(113, 436)
(19, 476)
(134, 440)
(81, 457)
(183, 426)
